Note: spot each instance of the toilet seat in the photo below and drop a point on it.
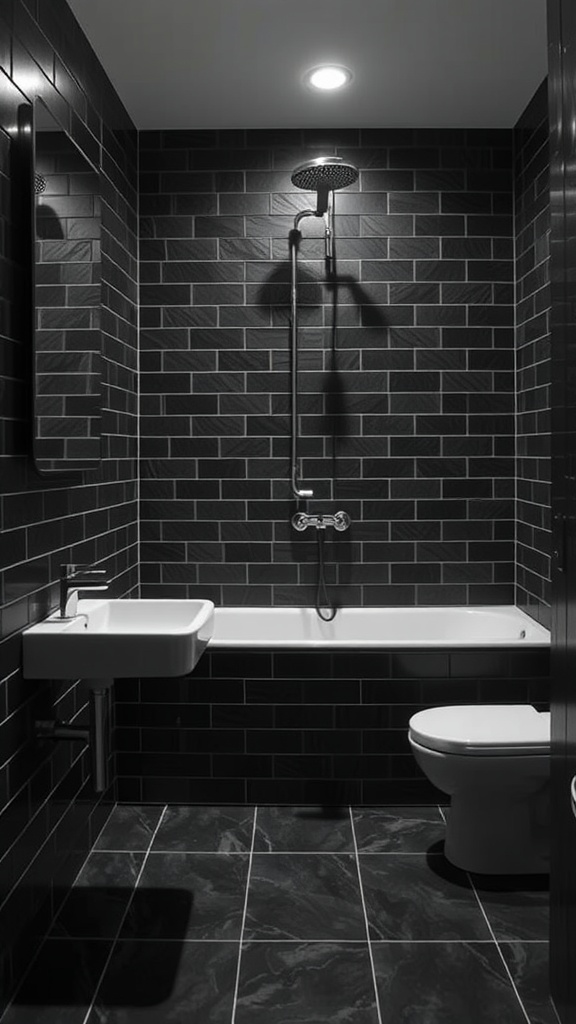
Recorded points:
(483, 729)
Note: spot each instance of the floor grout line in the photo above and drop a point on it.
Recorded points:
(123, 918)
(244, 912)
(500, 953)
(249, 854)
(366, 923)
(297, 942)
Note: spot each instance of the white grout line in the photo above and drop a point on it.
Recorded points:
(124, 916)
(495, 940)
(299, 942)
(366, 925)
(138, 383)
(237, 982)
(96, 838)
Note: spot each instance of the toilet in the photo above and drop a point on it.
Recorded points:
(493, 760)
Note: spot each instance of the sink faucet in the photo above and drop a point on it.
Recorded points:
(74, 578)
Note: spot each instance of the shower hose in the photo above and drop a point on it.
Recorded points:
(324, 607)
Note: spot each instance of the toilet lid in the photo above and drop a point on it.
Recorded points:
(483, 729)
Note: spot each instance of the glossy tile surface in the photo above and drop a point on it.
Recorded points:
(304, 896)
(412, 896)
(300, 829)
(189, 896)
(400, 830)
(129, 828)
(205, 829)
(444, 983)
(516, 909)
(303, 982)
(287, 915)
(157, 982)
(528, 964)
(98, 901)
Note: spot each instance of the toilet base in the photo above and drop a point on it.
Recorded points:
(499, 837)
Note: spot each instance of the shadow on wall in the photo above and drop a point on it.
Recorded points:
(48, 224)
(334, 422)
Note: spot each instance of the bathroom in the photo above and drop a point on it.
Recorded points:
(424, 414)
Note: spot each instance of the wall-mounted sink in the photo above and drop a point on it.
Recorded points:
(119, 639)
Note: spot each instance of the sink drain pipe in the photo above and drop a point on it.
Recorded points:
(97, 735)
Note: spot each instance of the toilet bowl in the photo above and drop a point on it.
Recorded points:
(494, 762)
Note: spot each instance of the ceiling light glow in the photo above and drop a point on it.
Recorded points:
(328, 77)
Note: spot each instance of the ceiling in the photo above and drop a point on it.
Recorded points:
(240, 63)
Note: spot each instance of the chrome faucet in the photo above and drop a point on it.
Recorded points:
(340, 521)
(74, 578)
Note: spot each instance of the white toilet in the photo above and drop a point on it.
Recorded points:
(494, 762)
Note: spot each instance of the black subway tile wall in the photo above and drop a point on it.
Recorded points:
(303, 726)
(406, 378)
(67, 292)
(532, 224)
(48, 814)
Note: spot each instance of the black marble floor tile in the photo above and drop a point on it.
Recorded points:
(397, 829)
(189, 895)
(304, 896)
(95, 905)
(528, 965)
(61, 983)
(306, 983)
(303, 829)
(413, 896)
(444, 983)
(517, 907)
(206, 830)
(129, 828)
(162, 982)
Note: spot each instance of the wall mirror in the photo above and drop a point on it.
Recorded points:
(67, 273)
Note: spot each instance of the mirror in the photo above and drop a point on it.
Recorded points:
(67, 269)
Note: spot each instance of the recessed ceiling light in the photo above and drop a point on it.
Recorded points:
(328, 77)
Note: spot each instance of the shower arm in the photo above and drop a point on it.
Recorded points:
(295, 237)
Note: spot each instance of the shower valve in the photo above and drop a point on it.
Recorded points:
(340, 521)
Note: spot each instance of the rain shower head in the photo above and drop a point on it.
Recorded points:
(323, 175)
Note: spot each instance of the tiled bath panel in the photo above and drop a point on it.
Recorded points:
(303, 726)
(270, 915)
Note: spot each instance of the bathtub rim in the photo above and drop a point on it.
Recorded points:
(541, 639)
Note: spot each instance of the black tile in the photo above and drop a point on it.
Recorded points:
(304, 981)
(51, 995)
(448, 981)
(417, 897)
(517, 907)
(397, 829)
(129, 828)
(205, 829)
(96, 905)
(167, 981)
(529, 967)
(300, 829)
(188, 896)
(304, 896)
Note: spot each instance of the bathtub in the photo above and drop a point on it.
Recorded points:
(502, 626)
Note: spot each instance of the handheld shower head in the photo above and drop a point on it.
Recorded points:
(323, 175)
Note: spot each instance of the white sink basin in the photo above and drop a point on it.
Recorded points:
(117, 639)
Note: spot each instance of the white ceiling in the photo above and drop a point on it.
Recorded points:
(239, 63)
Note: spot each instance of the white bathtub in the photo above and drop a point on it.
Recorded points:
(502, 626)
